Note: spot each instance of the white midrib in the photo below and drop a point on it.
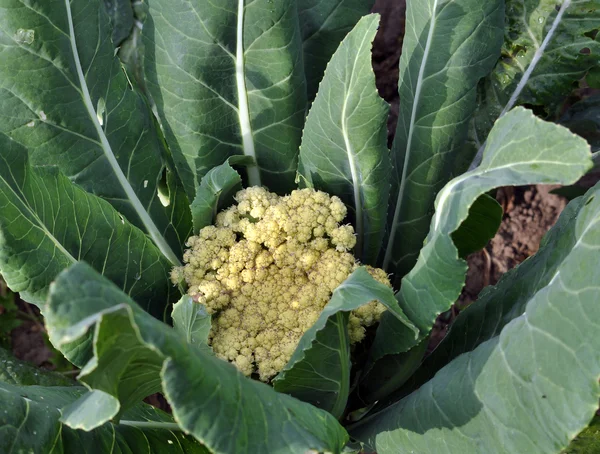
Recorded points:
(413, 116)
(243, 110)
(151, 228)
(351, 159)
(355, 182)
(523, 82)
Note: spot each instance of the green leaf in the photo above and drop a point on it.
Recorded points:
(191, 321)
(500, 304)
(534, 386)
(48, 223)
(121, 17)
(565, 59)
(382, 376)
(542, 59)
(570, 54)
(324, 24)
(131, 52)
(29, 422)
(482, 223)
(593, 76)
(436, 281)
(228, 79)
(133, 350)
(77, 415)
(64, 96)
(583, 118)
(319, 370)
(32, 401)
(344, 149)
(448, 47)
(20, 373)
(215, 193)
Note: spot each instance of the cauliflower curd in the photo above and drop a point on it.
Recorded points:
(267, 269)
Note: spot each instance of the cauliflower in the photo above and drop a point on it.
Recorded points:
(266, 270)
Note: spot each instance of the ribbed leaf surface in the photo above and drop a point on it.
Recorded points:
(64, 96)
(344, 149)
(227, 78)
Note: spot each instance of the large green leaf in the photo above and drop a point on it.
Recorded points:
(448, 47)
(571, 50)
(500, 304)
(135, 353)
(319, 370)
(48, 223)
(324, 23)
(546, 51)
(534, 386)
(31, 402)
(65, 97)
(227, 78)
(521, 149)
(344, 149)
(29, 422)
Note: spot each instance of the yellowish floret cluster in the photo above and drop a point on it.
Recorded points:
(266, 270)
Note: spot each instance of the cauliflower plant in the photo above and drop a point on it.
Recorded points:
(267, 269)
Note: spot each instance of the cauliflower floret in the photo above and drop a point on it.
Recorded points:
(343, 238)
(267, 269)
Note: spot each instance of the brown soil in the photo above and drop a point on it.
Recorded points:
(529, 213)
(386, 54)
(28, 340)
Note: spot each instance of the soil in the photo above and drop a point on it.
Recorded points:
(529, 213)
(28, 341)
(386, 55)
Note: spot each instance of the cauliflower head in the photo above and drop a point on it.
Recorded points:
(266, 270)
